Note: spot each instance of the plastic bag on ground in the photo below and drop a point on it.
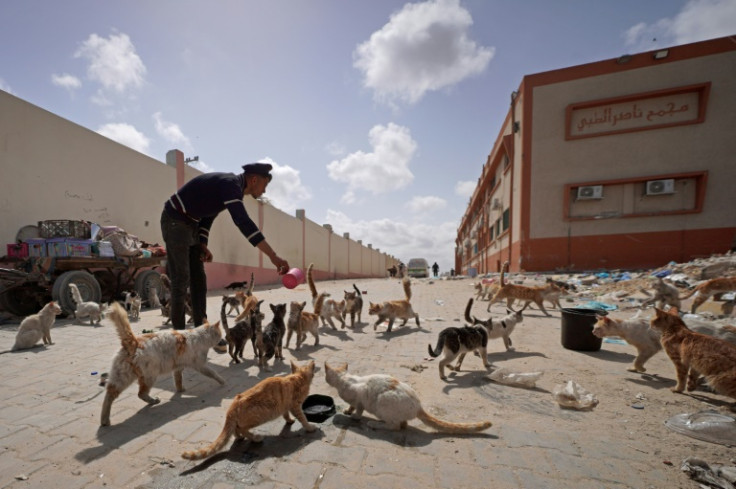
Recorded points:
(705, 425)
(720, 476)
(573, 395)
(518, 379)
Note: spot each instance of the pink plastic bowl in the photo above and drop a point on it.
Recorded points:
(292, 278)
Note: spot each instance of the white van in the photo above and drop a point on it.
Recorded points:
(417, 267)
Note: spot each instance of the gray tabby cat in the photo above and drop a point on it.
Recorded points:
(353, 306)
(664, 293)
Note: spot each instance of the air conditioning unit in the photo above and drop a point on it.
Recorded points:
(661, 187)
(496, 204)
(589, 192)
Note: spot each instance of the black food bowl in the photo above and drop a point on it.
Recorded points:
(318, 408)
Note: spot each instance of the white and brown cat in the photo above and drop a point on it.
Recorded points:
(143, 358)
(393, 402)
(86, 309)
(302, 322)
(393, 310)
(267, 400)
(331, 309)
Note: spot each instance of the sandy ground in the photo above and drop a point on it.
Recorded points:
(50, 411)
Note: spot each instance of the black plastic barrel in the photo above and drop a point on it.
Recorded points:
(577, 329)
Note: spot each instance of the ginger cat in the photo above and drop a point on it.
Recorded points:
(249, 301)
(393, 402)
(695, 353)
(392, 310)
(145, 357)
(301, 321)
(537, 295)
(709, 288)
(265, 401)
(330, 308)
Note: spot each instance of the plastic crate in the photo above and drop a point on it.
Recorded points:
(17, 250)
(65, 229)
(69, 247)
(37, 247)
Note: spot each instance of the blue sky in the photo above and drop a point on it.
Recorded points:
(377, 115)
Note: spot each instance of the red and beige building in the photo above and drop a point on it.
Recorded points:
(623, 163)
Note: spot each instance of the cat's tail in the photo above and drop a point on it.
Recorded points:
(223, 315)
(227, 431)
(467, 312)
(689, 294)
(407, 288)
(438, 348)
(320, 302)
(249, 292)
(448, 427)
(503, 272)
(75, 294)
(119, 317)
(310, 281)
(357, 290)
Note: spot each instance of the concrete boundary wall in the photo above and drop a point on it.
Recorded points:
(51, 168)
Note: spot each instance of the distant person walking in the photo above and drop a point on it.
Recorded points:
(435, 269)
(401, 269)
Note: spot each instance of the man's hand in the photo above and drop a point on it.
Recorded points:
(281, 265)
(205, 255)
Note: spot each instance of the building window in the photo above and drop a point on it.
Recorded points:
(505, 219)
(498, 227)
(491, 232)
(475, 249)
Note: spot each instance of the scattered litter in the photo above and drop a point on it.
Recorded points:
(507, 377)
(146, 331)
(638, 405)
(93, 373)
(597, 305)
(21, 477)
(416, 368)
(662, 273)
(719, 476)
(573, 395)
(439, 302)
(615, 341)
(706, 425)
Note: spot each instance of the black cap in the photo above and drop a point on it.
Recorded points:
(262, 169)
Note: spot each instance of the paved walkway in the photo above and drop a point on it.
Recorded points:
(50, 434)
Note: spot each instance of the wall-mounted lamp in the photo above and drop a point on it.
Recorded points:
(623, 59)
(661, 54)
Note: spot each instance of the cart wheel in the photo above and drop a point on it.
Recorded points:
(145, 281)
(87, 284)
(22, 301)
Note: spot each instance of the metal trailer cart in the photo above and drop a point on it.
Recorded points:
(29, 283)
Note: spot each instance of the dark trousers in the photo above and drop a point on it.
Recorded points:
(185, 269)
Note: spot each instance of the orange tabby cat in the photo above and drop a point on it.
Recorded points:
(709, 288)
(512, 292)
(265, 401)
(394, 309)
(250, 302)
(696, 354)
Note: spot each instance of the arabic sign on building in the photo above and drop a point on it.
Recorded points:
(653, 110)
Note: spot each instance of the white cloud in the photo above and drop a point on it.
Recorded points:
(171, 132)
(427, 203)
(113, 62)
(335, 149)
(70, 82)
(384, 169)
(423, 47)
(286, 190)
(465, 188)
(127, 135)
(403, 240)
(698, 20)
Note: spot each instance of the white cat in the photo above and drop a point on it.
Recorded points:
(89, 309)
(133, 305)
(37, 327)
(393, 402)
